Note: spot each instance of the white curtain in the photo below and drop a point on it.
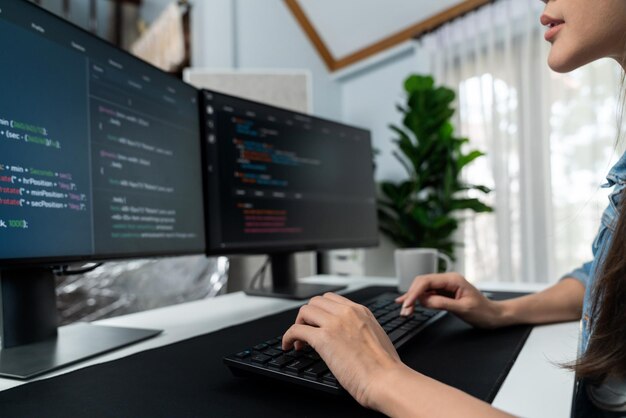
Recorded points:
(549, 140)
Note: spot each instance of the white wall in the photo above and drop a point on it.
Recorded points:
(260, 34)
(268, 36)
(213, 34)
(369, 99)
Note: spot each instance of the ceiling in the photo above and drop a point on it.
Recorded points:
(352, 30)
(350, 25)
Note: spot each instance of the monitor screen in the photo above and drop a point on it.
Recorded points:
(99, 151)
(280, 181)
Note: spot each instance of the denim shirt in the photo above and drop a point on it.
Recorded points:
(588, 273)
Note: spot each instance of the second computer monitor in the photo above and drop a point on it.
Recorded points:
(281, 182)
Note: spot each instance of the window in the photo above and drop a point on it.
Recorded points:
(549, 139)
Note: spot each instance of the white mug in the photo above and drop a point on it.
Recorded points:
(413, 262)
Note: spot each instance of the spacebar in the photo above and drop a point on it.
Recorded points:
(396, 335)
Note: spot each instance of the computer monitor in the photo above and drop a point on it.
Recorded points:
(99, 160)
(280, 182)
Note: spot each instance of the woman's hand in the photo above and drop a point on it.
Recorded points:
(451, 292)
(350, 341)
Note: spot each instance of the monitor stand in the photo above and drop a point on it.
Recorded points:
(30, 342)
(284, 284)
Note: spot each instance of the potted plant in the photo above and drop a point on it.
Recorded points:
(422, 210)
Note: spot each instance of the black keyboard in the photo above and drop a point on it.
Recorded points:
(306, 368)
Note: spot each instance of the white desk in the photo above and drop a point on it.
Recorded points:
(535, 387)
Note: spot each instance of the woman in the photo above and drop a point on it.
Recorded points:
(580, 32)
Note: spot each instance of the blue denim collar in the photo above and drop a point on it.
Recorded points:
(617, 175)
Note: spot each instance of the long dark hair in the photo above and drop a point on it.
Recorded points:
(606, 352)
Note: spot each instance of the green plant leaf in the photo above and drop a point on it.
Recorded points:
(449, 179)
(417, 83)
(446, 130)
(471, 204)
(390, 190)
(420, 216)
(468, 158)
(444, 96)
(404, 164)
(444, 221)
(483, 189)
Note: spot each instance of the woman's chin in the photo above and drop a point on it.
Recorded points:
(560, 63)
(563, 61)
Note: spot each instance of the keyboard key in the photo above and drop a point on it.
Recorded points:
(273, 341)
(386, 318)
(260, 347)
(296, 354)
(280, 362)
(397, 322)
(273, 353)
(416, 322)
(408, 327)
(243, 354)
(316, 370)
(260, 358)
(298, 365)
(388, 328)
(330, 378)
(397, 335)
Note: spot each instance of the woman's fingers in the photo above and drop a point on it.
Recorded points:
(338, 299)
(301, 333)
(419, 285)
(312, 315)
(316, 313)
(425, 284)
(334, 326)
(439, 302)
(451, 292)
(328, 303)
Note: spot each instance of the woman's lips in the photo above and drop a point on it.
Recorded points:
(552, 31)
(554, 26)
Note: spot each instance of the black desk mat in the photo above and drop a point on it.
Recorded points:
(188, 379)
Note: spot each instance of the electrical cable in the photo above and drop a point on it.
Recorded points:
(65, 271)
(258, 279)
(263, 275)
(260, 274)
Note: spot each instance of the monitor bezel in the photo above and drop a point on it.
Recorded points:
(259, 249)
(63, 260)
